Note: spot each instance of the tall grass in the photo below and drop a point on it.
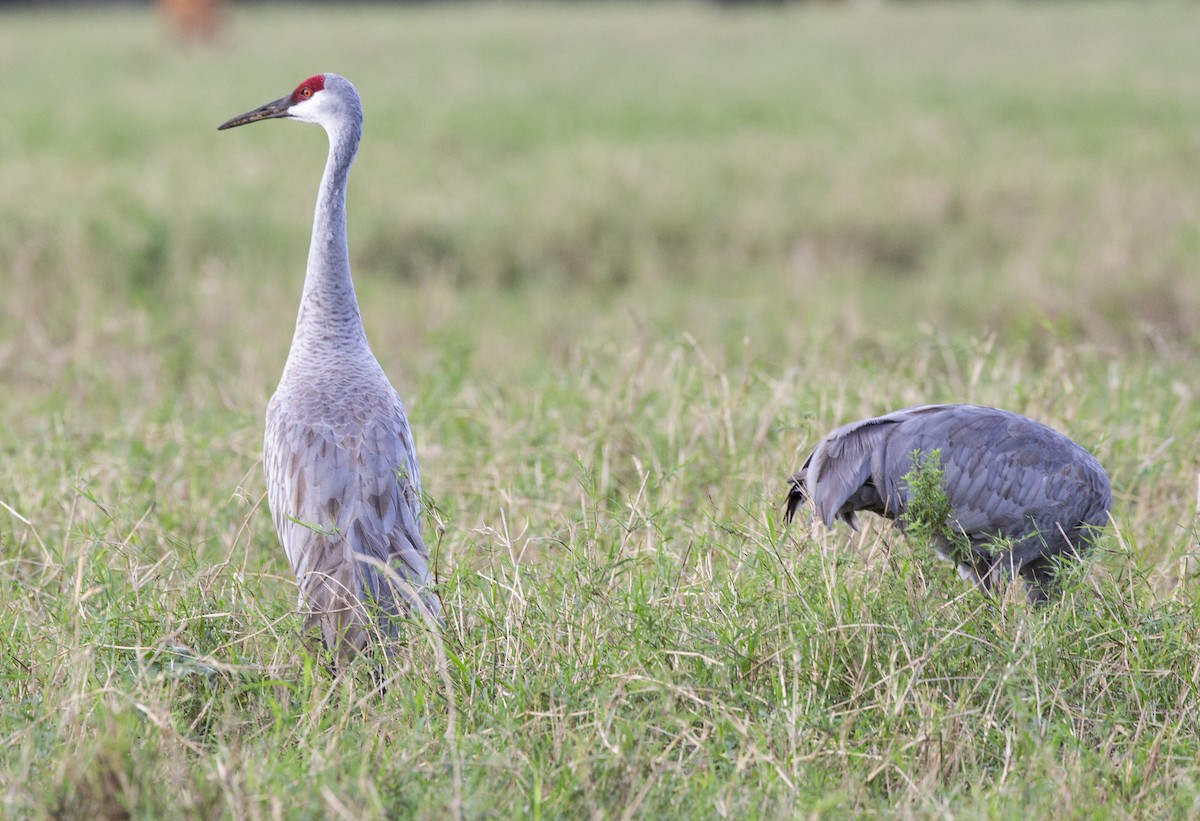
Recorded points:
(625, 265)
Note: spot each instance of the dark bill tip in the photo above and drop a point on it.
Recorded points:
(270, 111)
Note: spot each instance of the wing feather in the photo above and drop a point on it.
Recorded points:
(1005, 475)
(344, 494)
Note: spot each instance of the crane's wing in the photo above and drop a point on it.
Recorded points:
(1005, 475)
(345, 489)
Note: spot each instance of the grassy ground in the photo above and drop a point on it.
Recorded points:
(625, 265)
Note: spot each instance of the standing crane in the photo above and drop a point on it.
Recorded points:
(1021, 494)
(340, 466)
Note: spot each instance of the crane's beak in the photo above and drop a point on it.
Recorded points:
(278, 108)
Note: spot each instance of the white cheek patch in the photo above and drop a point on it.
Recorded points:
(306, 111)
(967, 573)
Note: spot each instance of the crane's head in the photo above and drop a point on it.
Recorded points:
(325, 99)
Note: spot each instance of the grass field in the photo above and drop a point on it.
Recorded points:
(625, 265)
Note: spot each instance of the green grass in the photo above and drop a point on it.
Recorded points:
(625, 265)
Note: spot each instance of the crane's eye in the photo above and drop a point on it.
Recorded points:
(306, 92)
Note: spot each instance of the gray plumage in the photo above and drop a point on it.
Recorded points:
(1006, 477)
(341, 471)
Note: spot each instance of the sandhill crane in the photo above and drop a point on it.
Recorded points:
(341, 471)
(1021, 494)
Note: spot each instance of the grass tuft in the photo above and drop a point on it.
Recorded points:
(929, 518)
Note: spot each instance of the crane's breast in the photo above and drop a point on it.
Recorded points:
(332, 470)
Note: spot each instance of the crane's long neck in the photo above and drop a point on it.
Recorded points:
(329, 316)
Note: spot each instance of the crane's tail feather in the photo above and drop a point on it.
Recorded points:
(797, 494)
(331, 606)
(396, 596)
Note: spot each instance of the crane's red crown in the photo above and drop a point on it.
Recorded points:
(308, 88)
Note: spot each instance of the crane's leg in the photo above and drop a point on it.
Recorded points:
(996, 571)
(1040, 579)
(977, 563)
(968, 573)
(333, 606)
(1037, 575)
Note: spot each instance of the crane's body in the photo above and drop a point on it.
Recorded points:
(1022, 494)
(338, 457)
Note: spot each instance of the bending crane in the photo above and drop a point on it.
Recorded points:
(1021, 494)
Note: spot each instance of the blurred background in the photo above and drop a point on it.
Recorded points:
(1004, 168)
